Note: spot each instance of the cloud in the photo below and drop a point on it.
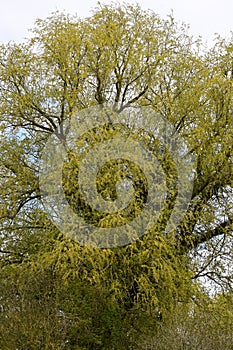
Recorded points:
(205, 17)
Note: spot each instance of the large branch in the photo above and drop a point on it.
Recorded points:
(194, 240)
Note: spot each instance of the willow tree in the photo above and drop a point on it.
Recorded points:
(124, 59)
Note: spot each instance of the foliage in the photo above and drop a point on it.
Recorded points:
(57, 293)
(203, 324)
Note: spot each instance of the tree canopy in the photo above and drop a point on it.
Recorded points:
(58, 293)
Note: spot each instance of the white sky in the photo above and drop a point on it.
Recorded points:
(205, 17)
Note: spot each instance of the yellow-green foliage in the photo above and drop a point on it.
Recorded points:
(57, 293)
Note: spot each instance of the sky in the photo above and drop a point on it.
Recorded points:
(205, 17)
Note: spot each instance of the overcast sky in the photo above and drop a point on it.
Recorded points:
(205, 17)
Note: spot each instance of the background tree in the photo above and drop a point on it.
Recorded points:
(203, 324)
